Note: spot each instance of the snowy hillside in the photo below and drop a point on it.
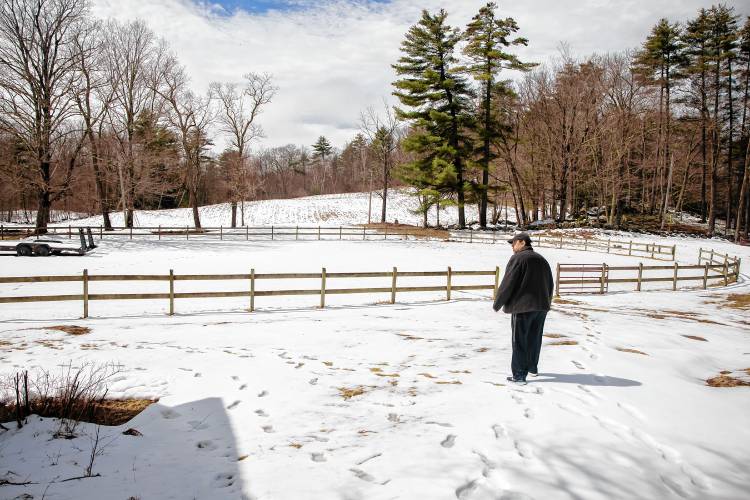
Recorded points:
(367, 400)
(332, 210)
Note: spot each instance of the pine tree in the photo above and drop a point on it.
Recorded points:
(722, 40)
(433, 87)
(696, 67)
(659, 62)
(487, 37)
(322, 148)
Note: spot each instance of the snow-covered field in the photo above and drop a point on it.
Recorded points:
(250, 404)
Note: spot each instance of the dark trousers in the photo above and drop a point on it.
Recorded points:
(527, 342)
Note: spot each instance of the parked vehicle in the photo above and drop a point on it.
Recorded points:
(44, 247)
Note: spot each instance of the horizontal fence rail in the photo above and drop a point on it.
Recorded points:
(256, 233)
(251, 292)
(596, 278)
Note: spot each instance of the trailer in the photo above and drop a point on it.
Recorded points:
(44, 247)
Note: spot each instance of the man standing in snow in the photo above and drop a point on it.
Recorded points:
(526, 294)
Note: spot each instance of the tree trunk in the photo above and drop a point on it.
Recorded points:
(385, 190)
(234, 214)
(741, 209)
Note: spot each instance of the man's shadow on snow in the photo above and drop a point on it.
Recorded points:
(584, 379)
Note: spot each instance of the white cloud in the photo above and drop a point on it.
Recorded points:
(332, 59)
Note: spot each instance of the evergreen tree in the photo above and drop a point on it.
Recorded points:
(434, 89)
(487, 37)
(659, 62)
(696, 67)
(322, 148)
(721, 43)
(743, 207)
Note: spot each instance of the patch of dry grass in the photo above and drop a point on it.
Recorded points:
(738, 300)
(446, 382)
(427, 375)
(70, 329)
(379, 372)
(726, 381)
(482, 349)
(348, 393)
(634, 351)
(105, 412)
(415, 231)
(564, 342)
(695, 337)
(554, 335)
(559, 300)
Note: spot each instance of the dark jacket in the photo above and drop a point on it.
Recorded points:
(527, 284)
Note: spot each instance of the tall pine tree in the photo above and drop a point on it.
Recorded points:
(487, 38)
(438, 99)
(660, 61)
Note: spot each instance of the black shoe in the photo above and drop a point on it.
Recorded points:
(518, 381)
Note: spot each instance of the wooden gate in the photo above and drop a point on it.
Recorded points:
(582, 278)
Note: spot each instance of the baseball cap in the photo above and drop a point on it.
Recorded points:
(521, 237)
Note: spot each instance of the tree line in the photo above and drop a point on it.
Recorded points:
(636, 135)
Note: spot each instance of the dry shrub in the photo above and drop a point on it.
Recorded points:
(564, 342)
(119, 411)
(348, 393)
(634, 351)
(726, 381)
(70, 329)
(695, 337)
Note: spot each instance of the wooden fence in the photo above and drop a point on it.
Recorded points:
(597, 278)
(632, 248)
(251, 293)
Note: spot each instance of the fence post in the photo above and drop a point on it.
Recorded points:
(323, 288)
(386, 231)
(630, 248)
(318, 232)
(187, 232)
(171, 292)
(497, 282)
(160, 232)
(448, 287)
(221, 232)
(585, 244)
(726, 273)
(364, 233)
(561, 238)
(340, 232)
(712, 256)
(131, 232)
(2, 232)
(393, 286)
(609, 241)
(252, 290)
(247, 233)
(471, 235)
(494, 235)
(70, 232)
(700, 255)
(705, 276)
(674, 278)
(557, 281)
(271, 232)
(640, 276)
(601, 279)
(737, 269)
(674, 249)
(85, 293)
(296, 233)
(100, 232)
